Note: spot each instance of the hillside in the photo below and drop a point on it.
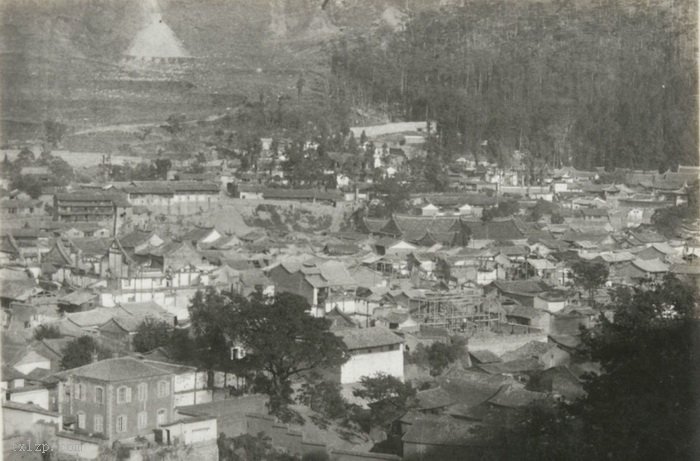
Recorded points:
(586, 82)
(65, 59)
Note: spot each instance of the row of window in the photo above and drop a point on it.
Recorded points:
(123, 392)
(122, 421)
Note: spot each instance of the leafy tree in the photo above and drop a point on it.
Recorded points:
(46, 332)
(80, 352)
(181, 346)
(639, 407)
(210, 317)
(25, 157)
(394, 196)
(388, 396)
(438, 356)
(541, 208)
(162, 165)
(282, 339)
(441, 355)
(152, 333)
(590, 276)
(323, 397)
(248, 447)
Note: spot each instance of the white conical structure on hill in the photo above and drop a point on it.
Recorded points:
(157, 40)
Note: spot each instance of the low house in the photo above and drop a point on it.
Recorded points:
(398, 320)
(30, 394)
(20, 418)
(201, 236)
(640, 270)
(325, 285)
(79, 300)
(372, 350)
(17, 209)
(541, 268)
(523, 291)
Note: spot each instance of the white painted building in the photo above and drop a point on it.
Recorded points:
(372, 350)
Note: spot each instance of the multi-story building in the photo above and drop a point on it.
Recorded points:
(173, 197)
(117, 399)
(91, 206)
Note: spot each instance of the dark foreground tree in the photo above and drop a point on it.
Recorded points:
(283, 341)
(388, 397)
(280, 338)
(643, 404)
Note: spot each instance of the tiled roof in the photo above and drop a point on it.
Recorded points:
(431, 399)
(135, 238)
(77, 297)
(651, 265)
(485, 356)
(512, 397)
(532, 286)
(89, 198)
(497, 229)
(94, 317)
(686, 269)
(118, 369)
(514, 366)
(442, 430)
(198, 233)
(368, 337)
(28, 407)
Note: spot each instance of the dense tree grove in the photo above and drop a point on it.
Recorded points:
(600, 84)
(643, 403)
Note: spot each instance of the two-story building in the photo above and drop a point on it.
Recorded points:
(117, 399)
(91, 206)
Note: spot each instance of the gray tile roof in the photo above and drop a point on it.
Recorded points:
(118, 369)
(368, 337)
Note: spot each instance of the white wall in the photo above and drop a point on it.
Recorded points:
(551, 306)
(188, 398)
(389, 362)
(15, 421)
(193, 432)
(38, 397)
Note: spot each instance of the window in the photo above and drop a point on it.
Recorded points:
(162, 417)
(79, 391)
(123, 394)
(99, 394)
(142, 420)
(81, 420)
(163, 388)
(98, 425)
(121, 423)
(142, 392)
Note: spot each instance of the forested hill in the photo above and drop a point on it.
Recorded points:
(606, 84)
